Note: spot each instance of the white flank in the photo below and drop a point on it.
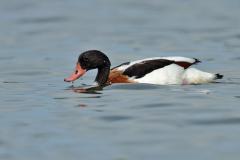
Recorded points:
(171, 74)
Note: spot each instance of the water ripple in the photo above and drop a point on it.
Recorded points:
(29, 73)
(11, 82)
(53, 19)
(3, 58)
(115, 118)
(157, 105)
(223, 121)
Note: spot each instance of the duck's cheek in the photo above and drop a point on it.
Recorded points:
(79, 71)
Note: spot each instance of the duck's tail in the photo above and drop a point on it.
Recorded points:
(195, 76)
(218, 76)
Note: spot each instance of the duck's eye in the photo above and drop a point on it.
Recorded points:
(76, 72)
(85, 59)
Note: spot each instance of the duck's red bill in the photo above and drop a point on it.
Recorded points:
(77, 74)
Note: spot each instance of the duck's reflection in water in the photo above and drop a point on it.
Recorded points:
(87, 89)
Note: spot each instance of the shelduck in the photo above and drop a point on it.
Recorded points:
(156, 70)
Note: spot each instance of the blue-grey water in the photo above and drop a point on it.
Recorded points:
(41, 117)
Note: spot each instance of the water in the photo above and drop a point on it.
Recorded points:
(41, 117)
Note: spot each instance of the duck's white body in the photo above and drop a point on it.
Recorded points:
(170, 73)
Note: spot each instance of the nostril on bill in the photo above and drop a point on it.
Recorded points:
(76, 72)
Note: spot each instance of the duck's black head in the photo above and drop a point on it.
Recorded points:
(92, 59)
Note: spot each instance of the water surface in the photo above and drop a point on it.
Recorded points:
(41, 117)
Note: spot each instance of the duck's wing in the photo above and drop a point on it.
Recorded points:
(183, 61)
(140, 68)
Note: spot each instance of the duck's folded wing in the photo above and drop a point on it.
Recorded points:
(140, 68)
(183, 61)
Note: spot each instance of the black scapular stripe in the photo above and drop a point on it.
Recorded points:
(139, 70)
(126, 63)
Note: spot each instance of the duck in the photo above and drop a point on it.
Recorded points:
(156, 70)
